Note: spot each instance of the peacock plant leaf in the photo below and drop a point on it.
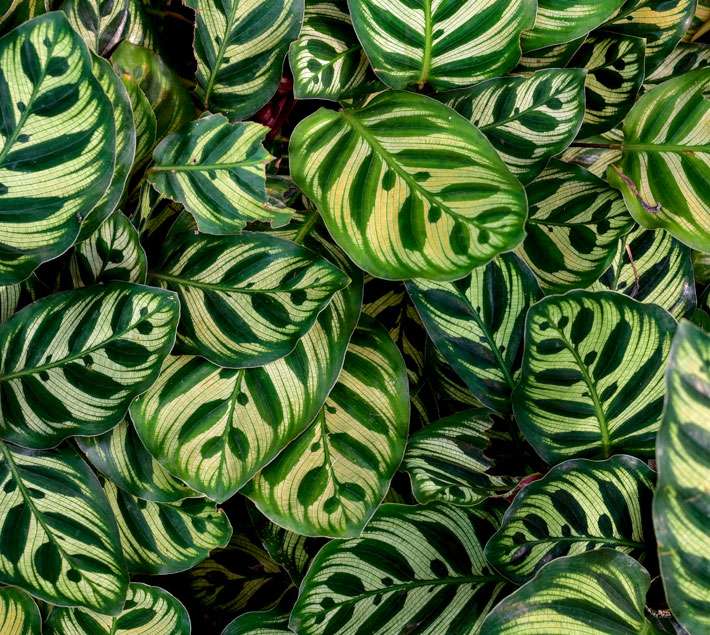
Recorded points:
(684, 58)
(19, 614)
(146, 125)
(274, 622)
(555, 56)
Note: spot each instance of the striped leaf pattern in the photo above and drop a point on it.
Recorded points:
(73, 362)
(408, 188)
(112, 252)
(15, 296)
(575, 224)
(653, 267)
(555, 56)
(143, 120)
(149, 610)
(332, 478)
(684, 58)
(259, 623)
(161, 538)
(596, 160)
(214, 428)
(247, 299)
(120, 456)
(615, 72)
(19, 614)
(58, 538)
(447, 463)
(665, 165)
(602, 592)
(592, 375)
(240, 48)
(445, 44)
(681, 501)
(578, 506)
(411, 565)
(560, 21)
(327, 60)
(57, 143)
(526, 119)
(477, 324)
(217, 171)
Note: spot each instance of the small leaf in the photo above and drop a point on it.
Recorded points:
(19, 614)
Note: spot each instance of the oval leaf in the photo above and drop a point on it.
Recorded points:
(19, 614)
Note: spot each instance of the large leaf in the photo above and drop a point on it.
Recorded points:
(240, 49)
(407, 187)
(74, 361)
(682, 498)
(578, 506)
(446, 461)
(19, 614)
(149, 610)
(57, 143)
(592, 375)
(444, 44)
(597, 593)
(665, 166)
(246, 299)
(560, 21)
(217, 171)
(420, 566)
(215, 428)
(160, 538)
(575, 224)
(332, 478)
(477, 324)
(615, 72)
(327, 60)
(527, 119)
(58, 538)
(120, 456)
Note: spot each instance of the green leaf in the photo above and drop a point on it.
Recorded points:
(681, 502)
(592, 375)
(578, 506)
(148, 610)
(19, 614)
(169, 99)
(15, 296)
(331, 479)
(597, 593)
(58, 538)
(447, 463)
(477, 324)
(160, 538)
(327, 60)
(240, 49)
(125, 146)
(420, 566)
(661, 23)
(144, 121)
(273, 622)
(446, 45)
(214, 428)
(615, 72)
(120, 456)
(556, 56)
(664, 172)
(560, 21)
(112, 252)
(575, 224)
(528, 119)
(71, 363)
(217, 171)
(596, 159)
(58, 143)
(653, 267)
(685, 57)
(407, 187)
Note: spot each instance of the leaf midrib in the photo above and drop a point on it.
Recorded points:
(213, 286)
(220, 54)
(205, 167)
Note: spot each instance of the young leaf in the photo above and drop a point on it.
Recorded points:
(57, 146)
(526, 119)
(682, 498)
(74, 361)
(240, 49)
(592, 375)
(446, 45)
(144, 121)
(407, 187)
(19, 614)
(578, 506)
(58, 539)
(332, 478)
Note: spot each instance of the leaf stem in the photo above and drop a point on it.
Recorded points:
(305, 229)
(426, 58)
(606, 146)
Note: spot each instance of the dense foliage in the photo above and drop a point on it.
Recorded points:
(354, 317)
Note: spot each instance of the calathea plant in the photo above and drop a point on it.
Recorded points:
(337, 317)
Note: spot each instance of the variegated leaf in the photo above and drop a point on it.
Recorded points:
(273, 622)
(684, 58)
(597, 153)
(144, 121)
(19, 614)
(555, 56)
